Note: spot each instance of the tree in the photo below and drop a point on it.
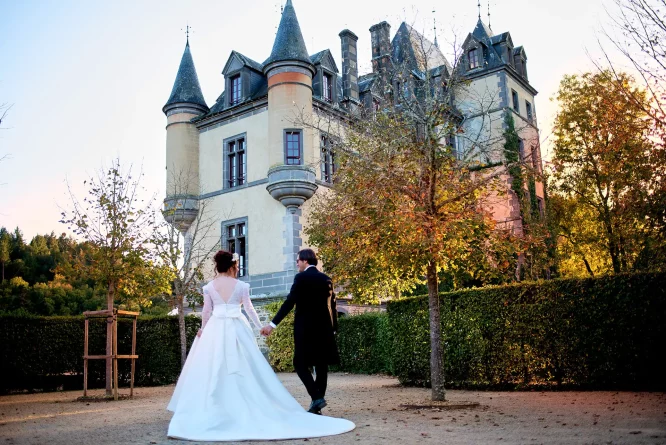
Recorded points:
(578, 234)
(5, 250)
(642, 41)
(406, 204)
(606, 164)
(117, 223)
(184, 245)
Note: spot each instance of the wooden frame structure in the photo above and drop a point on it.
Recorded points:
(113, 316)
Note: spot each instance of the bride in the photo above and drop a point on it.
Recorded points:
(227, 391)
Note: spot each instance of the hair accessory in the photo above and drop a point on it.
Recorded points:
(235, 257)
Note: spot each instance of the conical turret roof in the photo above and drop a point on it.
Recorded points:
(186, 88)
(289, 43)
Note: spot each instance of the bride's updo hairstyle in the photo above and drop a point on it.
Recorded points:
(223, 261)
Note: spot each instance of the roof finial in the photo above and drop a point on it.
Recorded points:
(489, 27)
(479, 5)
(187, 32)
(434, 27)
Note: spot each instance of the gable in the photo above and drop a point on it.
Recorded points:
(234, 63)
(325, 59)
(329, 62)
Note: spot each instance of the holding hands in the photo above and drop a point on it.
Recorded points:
(266, 330)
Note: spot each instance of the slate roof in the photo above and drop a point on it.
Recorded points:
(481, 31)
(365, 82)
(289, 43)
(249, 62)
(413, 49)
(186, 88)
(317, 57)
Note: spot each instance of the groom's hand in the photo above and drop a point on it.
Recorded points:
(266, 330)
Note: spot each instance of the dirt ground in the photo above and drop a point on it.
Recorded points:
(374, 404)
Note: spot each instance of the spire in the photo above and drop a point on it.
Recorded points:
(186, 88)
(289, 43)
(434, 28)
(489, 27)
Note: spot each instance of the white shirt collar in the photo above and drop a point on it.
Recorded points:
(311, 265)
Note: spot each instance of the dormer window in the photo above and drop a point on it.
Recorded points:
(473, 55)
(327, 87)
(236, 89)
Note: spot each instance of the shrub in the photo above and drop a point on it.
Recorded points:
(363, 342)
(607, 332)
(281, 341)
(47, 352)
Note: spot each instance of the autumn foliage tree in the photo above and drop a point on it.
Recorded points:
(405, 205)
(117, 223)
(609, 169)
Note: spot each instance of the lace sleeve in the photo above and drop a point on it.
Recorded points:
(249, 308)
(207, 308)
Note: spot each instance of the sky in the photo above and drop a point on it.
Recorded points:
(87, 80)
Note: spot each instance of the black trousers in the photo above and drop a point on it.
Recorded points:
(316, 387)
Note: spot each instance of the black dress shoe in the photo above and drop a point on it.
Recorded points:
(317, 405)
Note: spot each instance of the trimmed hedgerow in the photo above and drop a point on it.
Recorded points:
(606, 332)
(47, 352)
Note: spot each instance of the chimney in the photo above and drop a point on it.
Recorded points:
(380, 36)
(349, 68)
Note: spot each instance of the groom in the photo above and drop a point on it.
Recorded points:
(315, 325)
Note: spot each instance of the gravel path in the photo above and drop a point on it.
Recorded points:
(374, 404)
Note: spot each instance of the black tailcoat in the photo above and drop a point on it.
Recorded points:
(315, 318)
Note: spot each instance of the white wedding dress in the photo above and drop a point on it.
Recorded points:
(227, 391)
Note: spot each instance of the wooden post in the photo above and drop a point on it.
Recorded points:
(133, 353)
(85, 359)
(115, 357)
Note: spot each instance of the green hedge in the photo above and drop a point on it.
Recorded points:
(363, 342)
(607, 332)
(47, 352)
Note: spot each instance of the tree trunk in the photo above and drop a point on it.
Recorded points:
(436, 349)
(587, 266)
(109, 339)
(181, 329)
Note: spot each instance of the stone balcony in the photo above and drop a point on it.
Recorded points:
(181, 211)
(291, 185)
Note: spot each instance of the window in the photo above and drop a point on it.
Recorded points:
(328, 163)
(236, 89)
(521, 151)
(236, 159)
(535, 159)
(516, 103)
(528, 110)
(473, 58)
(456, 146)
(542, 207)
(235, 238)
(327, 87)
(292, 146)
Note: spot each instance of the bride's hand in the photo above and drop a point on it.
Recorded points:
(199, 333)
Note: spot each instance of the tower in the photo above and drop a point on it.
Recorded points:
(289, 73)
(182, 145)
